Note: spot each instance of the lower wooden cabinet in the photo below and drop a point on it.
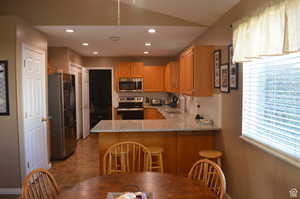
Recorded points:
(152, 114)
(180, 148)
(154, 78)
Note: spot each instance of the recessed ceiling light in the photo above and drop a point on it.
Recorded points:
(95, 52)
(85, 44)
(147, 44)
(152, 30)
(115, 38)
(146, 52)
(69, 30)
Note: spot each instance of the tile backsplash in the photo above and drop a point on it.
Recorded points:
(210, 107)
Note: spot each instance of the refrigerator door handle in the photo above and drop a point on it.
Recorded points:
(45, 119)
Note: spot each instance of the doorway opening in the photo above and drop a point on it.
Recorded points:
(100, 95)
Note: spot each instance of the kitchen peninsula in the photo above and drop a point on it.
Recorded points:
(180, 135)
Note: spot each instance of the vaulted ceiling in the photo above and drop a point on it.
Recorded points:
(178, 22)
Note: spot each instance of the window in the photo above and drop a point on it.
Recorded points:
(271, 103)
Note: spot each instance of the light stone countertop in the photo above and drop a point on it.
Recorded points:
(175, 121)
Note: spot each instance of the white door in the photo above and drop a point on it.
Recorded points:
(34, 110)
(85, 103)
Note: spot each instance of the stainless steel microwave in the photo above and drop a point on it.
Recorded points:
(131, 84)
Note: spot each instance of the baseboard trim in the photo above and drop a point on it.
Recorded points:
(10, 191)
(227, 196)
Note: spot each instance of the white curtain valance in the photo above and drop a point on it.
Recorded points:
(274, 30)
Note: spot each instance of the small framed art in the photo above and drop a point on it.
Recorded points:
(217, 63)
(224, 71)
(4, 103)
(233, 70)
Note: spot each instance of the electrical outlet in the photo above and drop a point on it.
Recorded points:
(293, 193)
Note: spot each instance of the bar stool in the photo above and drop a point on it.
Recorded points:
(157, 153)
(121, 162)
(213, 155)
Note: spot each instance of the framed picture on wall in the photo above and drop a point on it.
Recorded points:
(217, 63)
(4, 103)
(224, 71)
(233, 70)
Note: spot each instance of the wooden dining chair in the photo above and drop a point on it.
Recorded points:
(39, 184)
(125, 157)
(211, 175)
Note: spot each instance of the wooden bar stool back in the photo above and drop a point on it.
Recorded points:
(39, 184)
(211, 175)
(125, 157)
(157, 158)
(213, 155)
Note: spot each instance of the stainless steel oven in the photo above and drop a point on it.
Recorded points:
(131, 84)
(131, 108)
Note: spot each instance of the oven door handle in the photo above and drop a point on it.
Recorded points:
(130, 109)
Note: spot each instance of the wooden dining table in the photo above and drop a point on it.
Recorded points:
(163, 186)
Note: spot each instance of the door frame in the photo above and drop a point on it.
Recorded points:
(77, 66)
(113, 93)
(20, 112)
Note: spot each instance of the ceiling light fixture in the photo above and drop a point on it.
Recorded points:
(146, 52)
(85, 44)
(152, 30)
(69, 30)
(148, 44)
(95, 52)
(115, 38)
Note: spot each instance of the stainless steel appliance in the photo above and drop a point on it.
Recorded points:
(156, 102)
(62, 109)
(131, 84)
(131, 108)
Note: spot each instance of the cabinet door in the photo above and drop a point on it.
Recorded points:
(168, 77)
(154, 78)
(203, 71)
(137, 69)
(174, 77)
(123, 70)
(152, 114)
(187, 72)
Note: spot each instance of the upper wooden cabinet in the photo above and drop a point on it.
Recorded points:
(196, 66)
(172, 77)
(154, 78)
(137, 69)
(130, 69)
(123, 70)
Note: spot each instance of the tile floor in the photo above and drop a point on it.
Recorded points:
(82, 165)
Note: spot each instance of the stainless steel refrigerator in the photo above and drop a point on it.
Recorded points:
(62, 110)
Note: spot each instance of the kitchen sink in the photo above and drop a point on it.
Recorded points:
(173, 111)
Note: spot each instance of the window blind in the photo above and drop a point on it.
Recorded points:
(271, 103)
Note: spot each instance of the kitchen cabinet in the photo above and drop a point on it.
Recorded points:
(130, 69)
(172, 77)
(137, 69)
(196, 75)
(154, 78)
(152, 114)
(123, 70)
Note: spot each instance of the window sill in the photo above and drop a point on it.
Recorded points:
(273, 152)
